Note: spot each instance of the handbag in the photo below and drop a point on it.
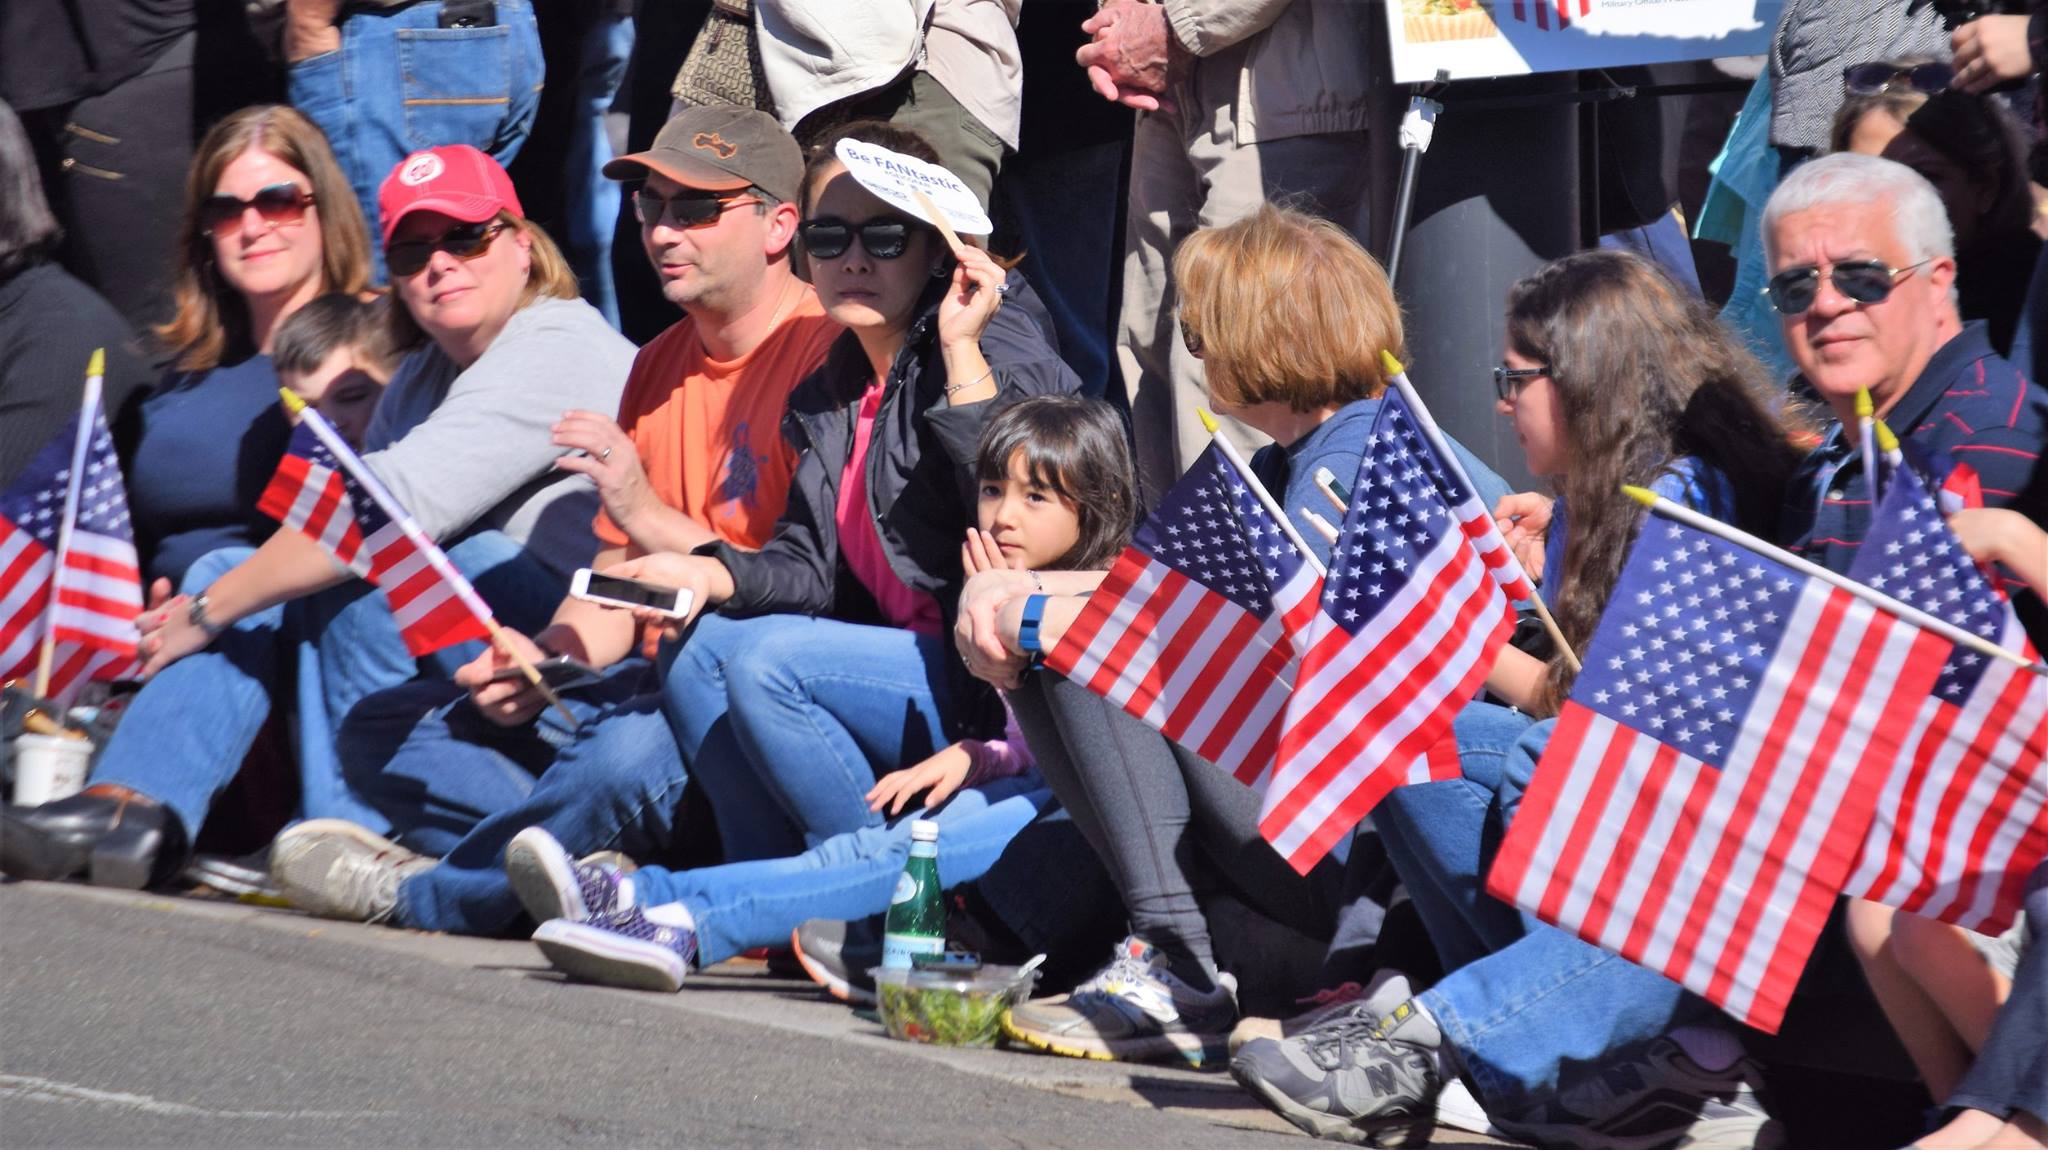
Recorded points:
(723, 65)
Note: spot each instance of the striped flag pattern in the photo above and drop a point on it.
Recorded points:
(99, 592)
(1190, 631)
(312, 493)
(1710, 780)
(1963, 819)
(1409, 620)
(1563, 10)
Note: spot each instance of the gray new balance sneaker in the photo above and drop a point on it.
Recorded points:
(336, 869)
(1134, 1009)
(1658, 1096)
(1388, 989)
(1358, 1079)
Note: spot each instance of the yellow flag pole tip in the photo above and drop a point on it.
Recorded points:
(1886, 441)
(1642, 495)
(292, 402)
(1388, 362)
(1208, 421)
(97, 365)
(1864, 408)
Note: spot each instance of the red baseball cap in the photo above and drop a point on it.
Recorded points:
(455, 180)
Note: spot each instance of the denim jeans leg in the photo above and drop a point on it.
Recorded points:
(616, 786)
(740, 906)
(822, 707)
(751, 822)
(1440, 837)
(186, 732)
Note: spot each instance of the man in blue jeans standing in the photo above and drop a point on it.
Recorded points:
(387, 78)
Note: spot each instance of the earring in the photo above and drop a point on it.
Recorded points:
(941, 271)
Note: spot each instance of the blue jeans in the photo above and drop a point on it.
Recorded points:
(400, 83)
(187, 731)
(454, 784)
(1528, 1000)
(743, 905)
(785, 722)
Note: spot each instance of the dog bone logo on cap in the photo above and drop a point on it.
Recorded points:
(713, 142)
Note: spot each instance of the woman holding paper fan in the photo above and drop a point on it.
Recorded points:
(500, 345)
(1612, 375)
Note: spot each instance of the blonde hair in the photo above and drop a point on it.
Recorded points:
(1287, 308)
(212, 317)
(548, 275)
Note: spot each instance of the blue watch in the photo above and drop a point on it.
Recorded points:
(1027, 630)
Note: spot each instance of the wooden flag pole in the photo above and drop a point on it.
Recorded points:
(1336, 494)
(46, 659)
(1868, 594)
(428, 549)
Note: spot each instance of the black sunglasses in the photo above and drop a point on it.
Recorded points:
(885, 238)
(687, 211)
(463, 241)
(1793, 290)
(278, 204)
(1882, 76)
(1508, 382)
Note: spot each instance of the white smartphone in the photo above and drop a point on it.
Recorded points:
(619, 591)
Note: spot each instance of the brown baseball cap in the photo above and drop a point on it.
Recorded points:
(720, 148)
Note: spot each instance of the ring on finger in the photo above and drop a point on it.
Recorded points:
(605, 455)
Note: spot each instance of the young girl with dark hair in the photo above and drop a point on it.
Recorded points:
(1055, 493)
(1613, 375)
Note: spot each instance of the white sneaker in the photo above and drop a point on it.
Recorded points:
(337, 869)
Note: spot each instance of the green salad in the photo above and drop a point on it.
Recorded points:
(942, 1016)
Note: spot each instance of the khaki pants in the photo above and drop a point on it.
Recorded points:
(1189, 172)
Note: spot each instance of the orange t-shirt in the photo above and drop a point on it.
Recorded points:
(709, 432)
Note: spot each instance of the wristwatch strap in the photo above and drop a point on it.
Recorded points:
(196, 614)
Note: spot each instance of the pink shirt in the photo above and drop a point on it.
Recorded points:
(862, 548)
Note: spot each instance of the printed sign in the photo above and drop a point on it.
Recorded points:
(893, 175)
(1473, 38)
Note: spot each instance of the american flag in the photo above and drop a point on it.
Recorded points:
(1190, 630)
(1409, 620)
(99, 593)
(312, 493)
(1564, 11)
(1710, 780)
(1963, 819)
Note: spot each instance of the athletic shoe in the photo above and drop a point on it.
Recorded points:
(1388, 989)
(1369, 1083)
(336, 869)
(635, 949)
(1134, 1009)
(1659, 1096)
(837, 956)
(552, 885)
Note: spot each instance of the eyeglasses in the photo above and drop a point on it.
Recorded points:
(652, 208)
(1882, 76)
(277, 204)
(1189, 339)
(1508, 382)
(1793, 290)
(827, 238)
(463, 241)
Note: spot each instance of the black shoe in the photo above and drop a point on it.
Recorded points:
(120, 841)
(837, 956)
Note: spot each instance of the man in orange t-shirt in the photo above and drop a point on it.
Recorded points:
(696, 454)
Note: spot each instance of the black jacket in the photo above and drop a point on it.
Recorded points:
(920, 480)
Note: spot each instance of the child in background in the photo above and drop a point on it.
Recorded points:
(1056, 492)
(334, 354)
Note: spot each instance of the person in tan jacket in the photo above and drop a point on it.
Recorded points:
(1240, 102)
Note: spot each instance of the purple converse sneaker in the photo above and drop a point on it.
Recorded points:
(552, 885)
(650, 950)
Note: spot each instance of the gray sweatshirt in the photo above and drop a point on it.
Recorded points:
(468, 449)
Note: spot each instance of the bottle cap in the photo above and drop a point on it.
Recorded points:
(924, 831)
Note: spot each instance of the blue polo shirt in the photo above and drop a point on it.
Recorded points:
(1969, 404)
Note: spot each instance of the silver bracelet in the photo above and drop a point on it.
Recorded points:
(1037, 582)
(950, 389)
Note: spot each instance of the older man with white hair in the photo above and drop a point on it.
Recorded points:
(1863, 273)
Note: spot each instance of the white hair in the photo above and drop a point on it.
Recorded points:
(1918, 215)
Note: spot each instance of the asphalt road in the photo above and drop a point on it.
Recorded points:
(139, 1021)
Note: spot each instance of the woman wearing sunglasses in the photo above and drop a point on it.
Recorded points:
(1973, 154)
(501, 345)
(825, 663)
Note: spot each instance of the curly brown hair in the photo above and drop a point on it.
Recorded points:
(1644, 375)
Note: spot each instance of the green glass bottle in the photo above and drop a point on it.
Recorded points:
(917, 915)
